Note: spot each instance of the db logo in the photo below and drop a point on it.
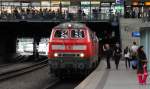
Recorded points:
(68, 47)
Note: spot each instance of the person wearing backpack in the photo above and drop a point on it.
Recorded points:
(127, 57)
(134, 55)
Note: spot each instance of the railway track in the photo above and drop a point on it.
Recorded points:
(17, 58)
(17, 72)
(20, 59)
(67, 83)
(3, 65)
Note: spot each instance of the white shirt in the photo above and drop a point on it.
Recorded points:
(127, 55)
(134, 48)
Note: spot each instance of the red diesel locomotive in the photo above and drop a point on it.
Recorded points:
(72, 47)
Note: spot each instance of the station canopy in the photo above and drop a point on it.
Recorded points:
(57, 0)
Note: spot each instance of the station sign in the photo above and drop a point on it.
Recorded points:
(85, 3)
(55, 3)
(147, 3)
(65, 3)
(135, 3)
(35, 4)
(105, 4)
(119, 1)
(136, 34)
(45, 3)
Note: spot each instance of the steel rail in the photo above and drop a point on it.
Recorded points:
(15, 73)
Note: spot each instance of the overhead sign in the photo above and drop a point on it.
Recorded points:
(119, 1)
(147, 3)
(136, 34)
(135, 3)
(85, 2)
(45, 3)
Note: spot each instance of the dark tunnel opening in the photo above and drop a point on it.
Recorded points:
(12, 30)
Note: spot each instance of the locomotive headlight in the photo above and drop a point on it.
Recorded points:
(69, 25)
(82, 55)
(55, 54)
(79, 47)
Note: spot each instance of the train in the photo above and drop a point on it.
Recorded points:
(74, 48)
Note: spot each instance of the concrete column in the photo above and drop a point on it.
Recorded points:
(7, 46)
(35, 46)
(145, 40)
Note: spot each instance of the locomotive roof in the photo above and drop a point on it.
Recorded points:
(73, 25)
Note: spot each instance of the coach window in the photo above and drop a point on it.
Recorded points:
(77, 34)
(61, 34)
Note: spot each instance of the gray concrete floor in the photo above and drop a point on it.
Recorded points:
(124, 79)
(103, 78)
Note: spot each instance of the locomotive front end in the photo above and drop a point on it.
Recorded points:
(69, 49)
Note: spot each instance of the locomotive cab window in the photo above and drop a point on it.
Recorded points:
(61, 34)
(77, 34)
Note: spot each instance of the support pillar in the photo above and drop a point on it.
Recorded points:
(35, 47)
(8, 47)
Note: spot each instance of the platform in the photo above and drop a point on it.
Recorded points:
(102, 78)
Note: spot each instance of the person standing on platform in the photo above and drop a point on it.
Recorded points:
(134, 48)
(117, 54)
(127, 57)
(108, 54)
(142, 66)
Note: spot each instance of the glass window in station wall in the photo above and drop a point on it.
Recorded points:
(55, 5)
(73, 9)
(7, 7)
(45, 4)
(25, 5)
(105, 7)
(65, 5)
(95, 3)
(119, 9)
(36, 5)
(89, 6)
(85, 7)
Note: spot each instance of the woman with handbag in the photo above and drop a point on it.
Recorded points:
(127, 57)
(142, 66)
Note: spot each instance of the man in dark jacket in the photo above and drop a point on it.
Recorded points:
(108, 54)
(117, 54)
